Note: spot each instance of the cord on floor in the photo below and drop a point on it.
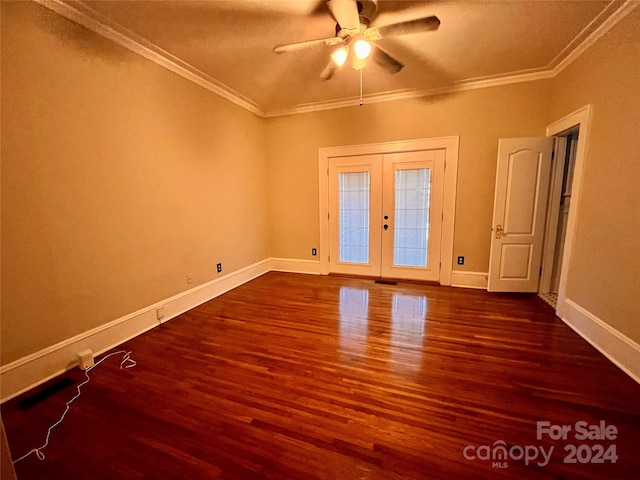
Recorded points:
(127, 362)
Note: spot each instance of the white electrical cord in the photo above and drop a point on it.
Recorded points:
(127, 362)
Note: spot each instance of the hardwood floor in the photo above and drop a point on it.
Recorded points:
(304, 377)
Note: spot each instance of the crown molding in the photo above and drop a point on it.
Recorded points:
(611, 21)
(472, 84)
(583, 34)
(82, 14)
(97, 23)
(550, 71)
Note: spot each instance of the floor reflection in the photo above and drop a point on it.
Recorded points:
(395, 340)
(354, 311)
(408, 313)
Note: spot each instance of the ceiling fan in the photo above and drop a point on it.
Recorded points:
(356, 37)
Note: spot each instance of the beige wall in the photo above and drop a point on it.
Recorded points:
(604, 277)
(479, 117)
(118, 179)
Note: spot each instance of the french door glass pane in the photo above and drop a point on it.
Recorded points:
(354, 193)
(411, 232)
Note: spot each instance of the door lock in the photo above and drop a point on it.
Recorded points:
(499, 231)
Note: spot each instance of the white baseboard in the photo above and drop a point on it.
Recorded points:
(30, 371)
(617, 347)
(295, 265)
(469, 279)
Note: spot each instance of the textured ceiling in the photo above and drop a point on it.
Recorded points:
(231, 41)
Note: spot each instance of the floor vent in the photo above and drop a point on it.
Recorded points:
(386, 282)
(45, 393)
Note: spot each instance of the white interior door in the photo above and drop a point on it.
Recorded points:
(385, 214)
(522, 187)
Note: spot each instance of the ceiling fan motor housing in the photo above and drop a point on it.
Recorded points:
(367, 10)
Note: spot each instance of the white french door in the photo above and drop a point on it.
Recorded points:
(355, 205)
(385, 214)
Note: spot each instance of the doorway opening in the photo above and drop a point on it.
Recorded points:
(573, 131)
(558, 213)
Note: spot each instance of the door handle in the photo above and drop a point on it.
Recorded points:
(499, 231)
(385, 226)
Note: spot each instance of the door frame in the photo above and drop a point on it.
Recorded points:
(580, 119)
(451, 147)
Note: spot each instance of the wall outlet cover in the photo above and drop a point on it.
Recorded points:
(85, 359)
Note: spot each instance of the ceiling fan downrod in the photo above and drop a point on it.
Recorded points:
(361, 101)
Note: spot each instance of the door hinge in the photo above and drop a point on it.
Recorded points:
(540, 272)
(553, 154)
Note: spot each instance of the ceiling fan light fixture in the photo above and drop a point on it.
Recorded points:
(340, 55)
(362, 49)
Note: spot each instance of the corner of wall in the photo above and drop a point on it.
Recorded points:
(615, 346)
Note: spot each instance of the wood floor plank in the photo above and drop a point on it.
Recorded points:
(319, 377)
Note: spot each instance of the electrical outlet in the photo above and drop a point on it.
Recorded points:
(189, 278)
(219, 267)
(160, 313)
(460, 260)
(314, 251)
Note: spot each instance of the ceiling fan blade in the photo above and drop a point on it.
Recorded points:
(329, 70)
(292, 47)
(385, 60)
(345, 12)
(425, 24)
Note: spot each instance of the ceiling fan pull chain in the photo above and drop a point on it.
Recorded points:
(361, 86)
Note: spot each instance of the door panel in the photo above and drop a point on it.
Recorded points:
(522, 192)
(515, 261)
(522, 188)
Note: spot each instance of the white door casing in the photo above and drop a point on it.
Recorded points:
(578, 120)
(519, 213)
